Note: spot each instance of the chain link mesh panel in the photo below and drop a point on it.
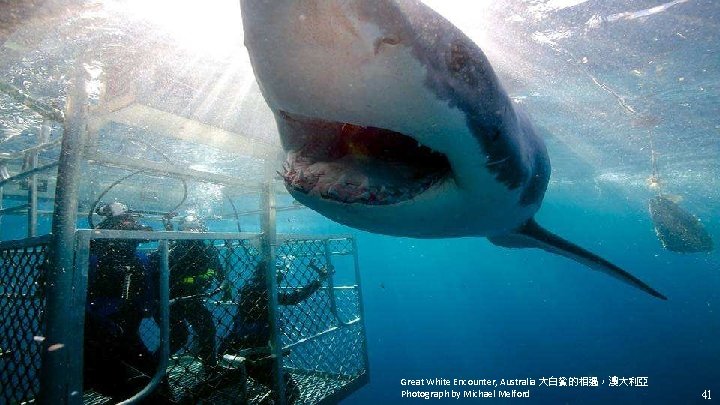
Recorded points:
(21, 312)
(203, 326)
(323, 333)
(220, 323)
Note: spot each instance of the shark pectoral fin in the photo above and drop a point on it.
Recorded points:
(532, 235)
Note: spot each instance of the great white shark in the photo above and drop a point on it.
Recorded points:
(394, 122)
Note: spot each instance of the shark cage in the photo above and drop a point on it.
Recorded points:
(116, 312)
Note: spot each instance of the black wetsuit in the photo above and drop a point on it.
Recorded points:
(194, 268)
(118, 299)
(251, 329)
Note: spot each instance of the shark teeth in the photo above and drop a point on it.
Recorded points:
(350, 184)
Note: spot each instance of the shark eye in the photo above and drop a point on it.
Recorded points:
(389, 40)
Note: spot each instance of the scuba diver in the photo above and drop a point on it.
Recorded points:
(117, 362)
(251, 332)
(194, 267)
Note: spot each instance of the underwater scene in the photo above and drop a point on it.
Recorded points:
(356, 201)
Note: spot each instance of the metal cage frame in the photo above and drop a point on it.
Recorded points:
(49, 363)
(309, 331)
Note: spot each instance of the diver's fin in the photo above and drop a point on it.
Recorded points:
(532, 235)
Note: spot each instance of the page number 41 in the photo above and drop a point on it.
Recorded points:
(706, 394)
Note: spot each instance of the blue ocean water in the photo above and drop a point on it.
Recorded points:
(465, 309)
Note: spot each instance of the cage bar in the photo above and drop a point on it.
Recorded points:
(316, 350)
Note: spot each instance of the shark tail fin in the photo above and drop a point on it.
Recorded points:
(532, 235)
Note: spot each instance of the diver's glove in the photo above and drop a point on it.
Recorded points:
(323, 272)
(227, 293)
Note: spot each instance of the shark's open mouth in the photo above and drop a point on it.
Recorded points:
(354, 164)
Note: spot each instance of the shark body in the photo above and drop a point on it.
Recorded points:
(394, 122)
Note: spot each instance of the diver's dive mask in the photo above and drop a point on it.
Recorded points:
(119, 217)
(192, 223)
